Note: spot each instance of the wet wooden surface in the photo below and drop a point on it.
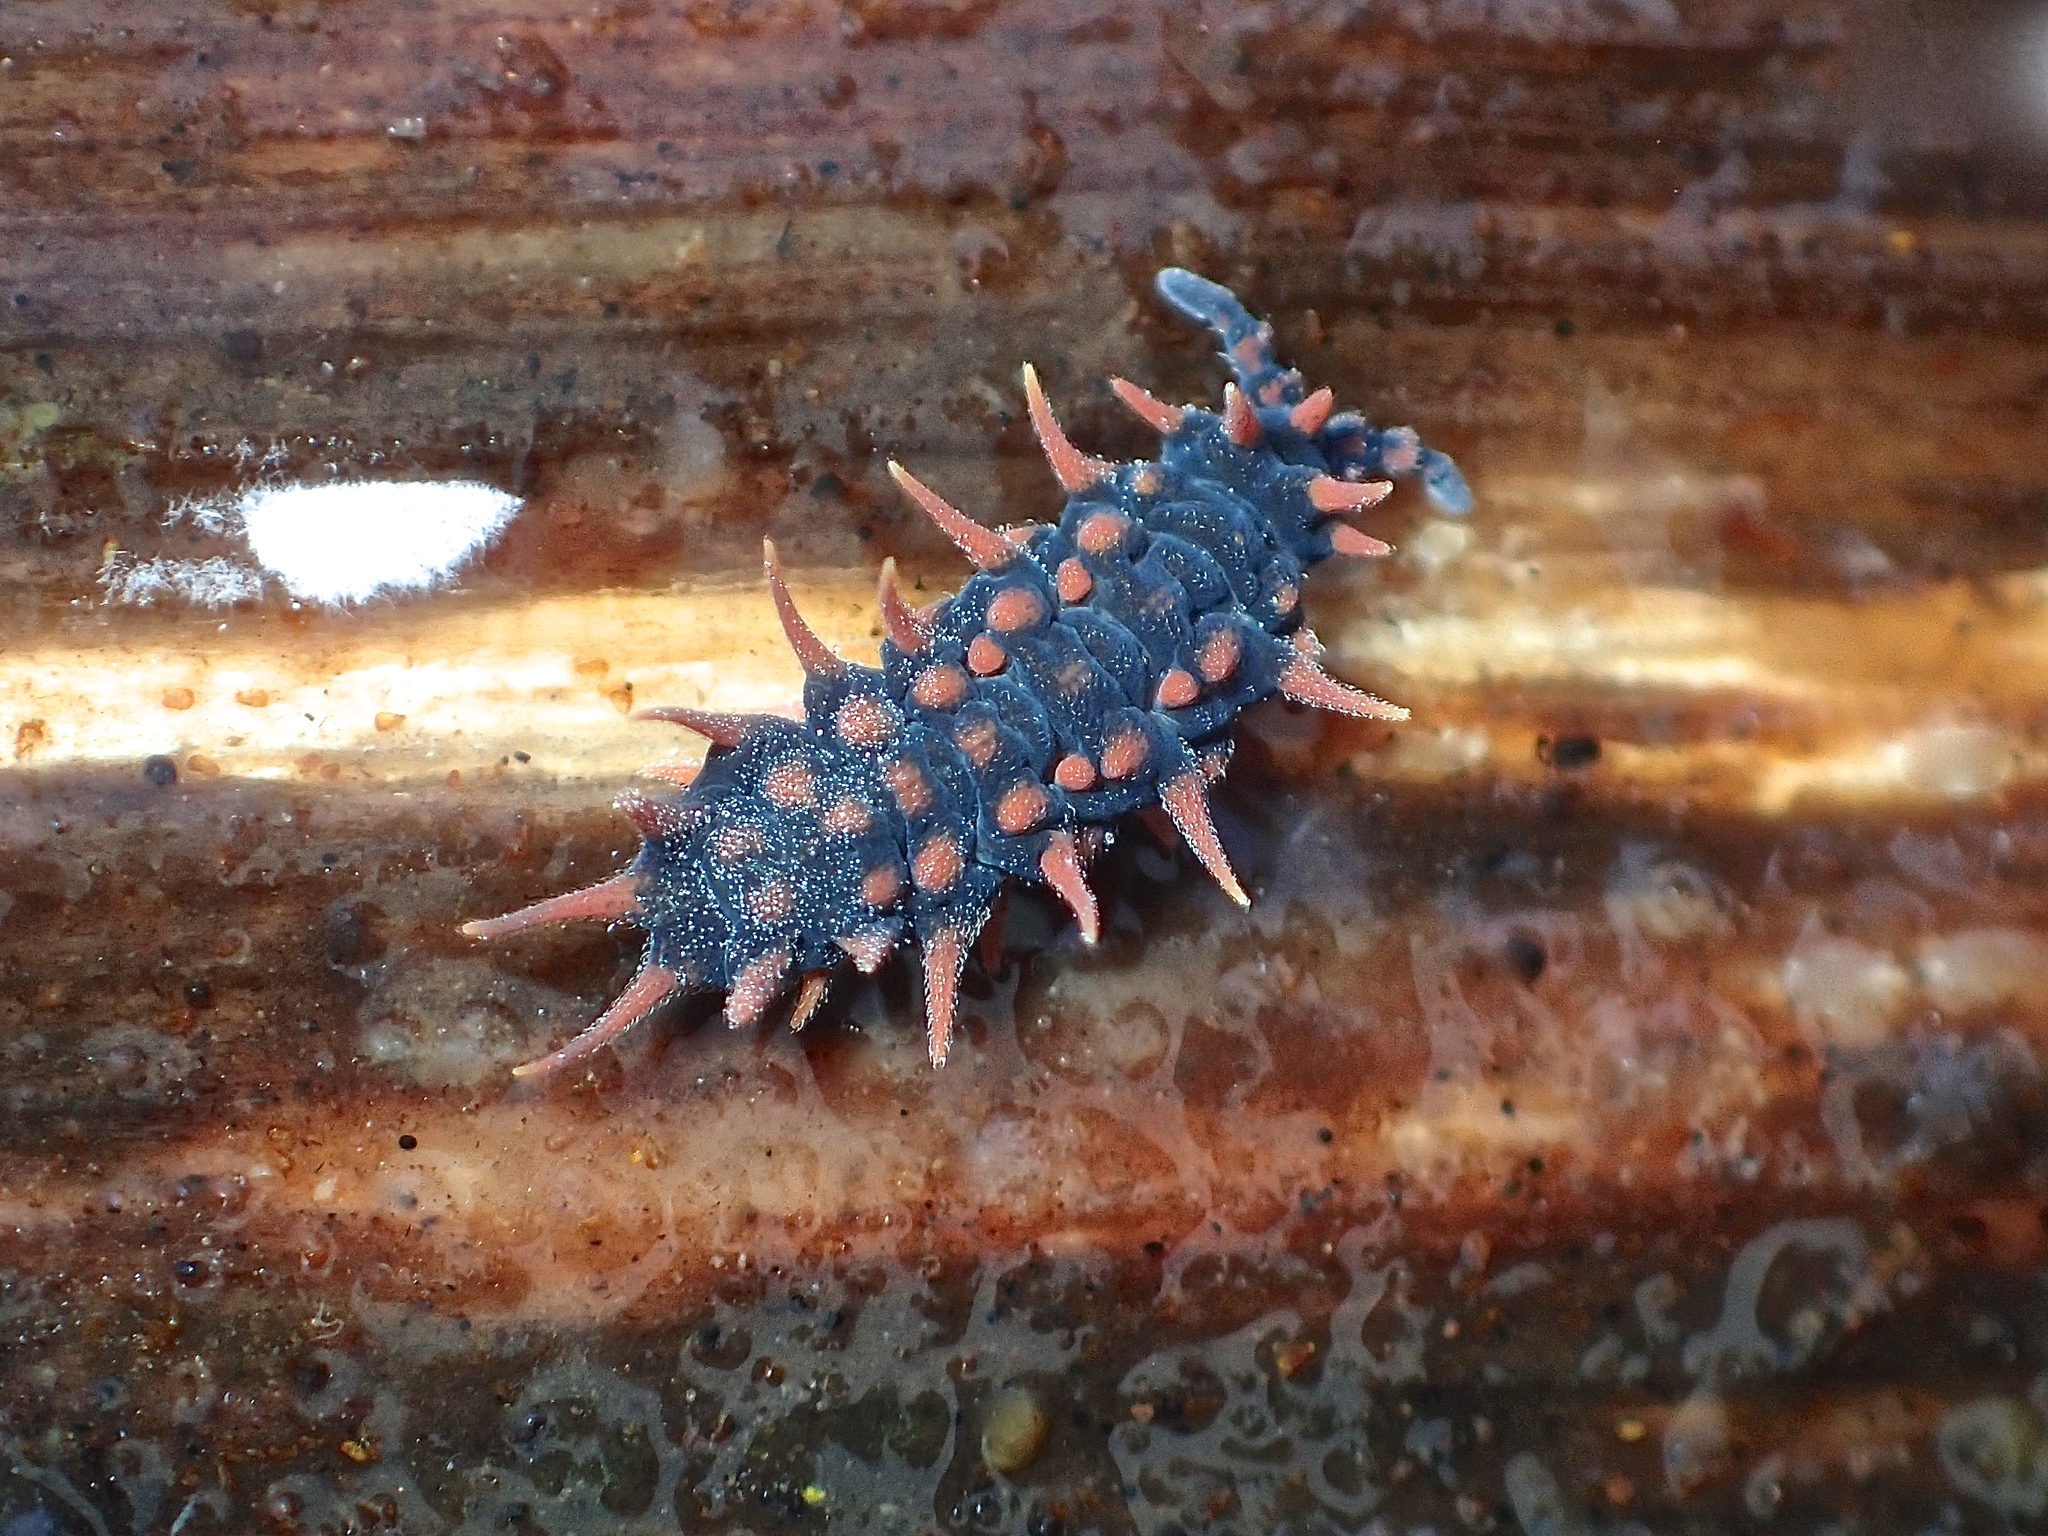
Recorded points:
(1621, 1103)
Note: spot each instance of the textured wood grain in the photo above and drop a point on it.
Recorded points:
(1623, 1098)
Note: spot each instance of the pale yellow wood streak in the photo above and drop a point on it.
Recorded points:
(547, 677)
(1923, 692)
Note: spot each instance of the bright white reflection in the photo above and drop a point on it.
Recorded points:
(346, 542)
(335, 544)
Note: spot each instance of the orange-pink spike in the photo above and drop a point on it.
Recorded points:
(867, 949)
(644, 814)
(944, 958)
(809, 995)
(905, 632)
(718, 729)
(1308, 417)
(1330, 495)
(1347, 540)
(758, 984)
(1240, 421)
(987, 549)
(1061, 866)
(1186, 799)
(1075, 470)
(606, 903)
(1306, 683)
(654, 985)
(1148, 407)
(680, 775)
(815, 654)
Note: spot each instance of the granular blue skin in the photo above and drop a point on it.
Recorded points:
(741, 867)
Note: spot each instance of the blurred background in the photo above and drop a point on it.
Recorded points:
(1621, 1107)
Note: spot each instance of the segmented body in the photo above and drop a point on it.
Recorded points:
(1090, 668)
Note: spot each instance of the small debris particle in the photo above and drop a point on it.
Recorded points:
(202, 765)
(362, 1452)
(1570, 753)
(282, 1506)
(1290, 1358)
(160, 771)
(253, 698)
(814, 1496)
(408, 1142)
(1629, 1431)
(179, 698)
(1525, 957)
(1014, 1431)
(387, 721)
